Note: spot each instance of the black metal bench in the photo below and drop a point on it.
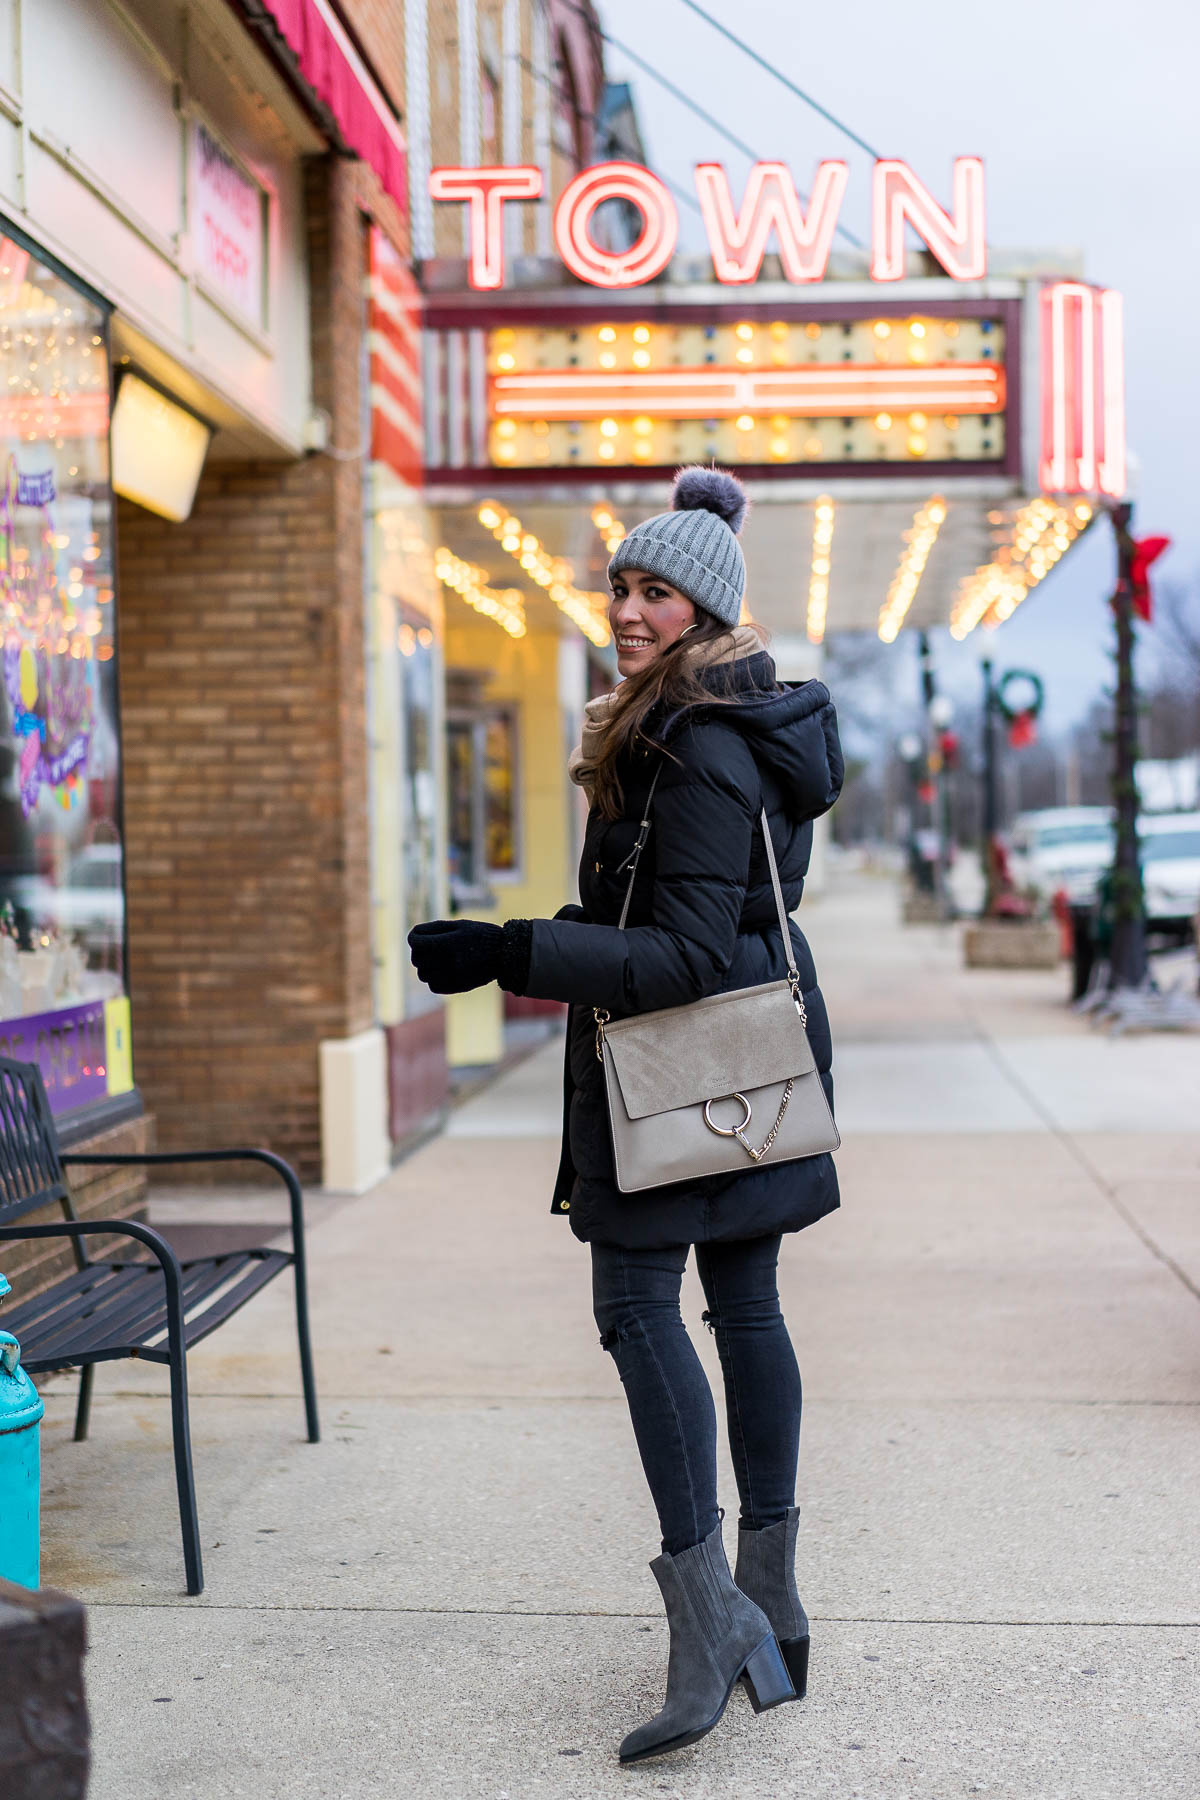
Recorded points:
(155, 1309)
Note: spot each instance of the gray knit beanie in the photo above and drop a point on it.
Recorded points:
(694, 546)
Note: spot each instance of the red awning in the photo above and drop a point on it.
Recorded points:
(338, 77)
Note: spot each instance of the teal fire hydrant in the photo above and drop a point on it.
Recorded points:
(21, 1412)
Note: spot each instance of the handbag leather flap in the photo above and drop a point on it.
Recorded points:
(725, 1044)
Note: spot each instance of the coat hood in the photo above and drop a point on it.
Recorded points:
(790, 728)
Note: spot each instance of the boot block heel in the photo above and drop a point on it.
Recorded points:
(795, 1656)
(765, 1677)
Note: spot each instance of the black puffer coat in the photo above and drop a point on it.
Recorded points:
(703, 921)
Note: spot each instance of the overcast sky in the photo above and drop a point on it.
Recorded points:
(1086, 113)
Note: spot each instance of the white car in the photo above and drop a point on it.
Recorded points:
(1170, 858)
(1062, 847)
(89, 906)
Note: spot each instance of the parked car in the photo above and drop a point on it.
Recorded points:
(1062, 847)
(89, 906)
(1170, 857)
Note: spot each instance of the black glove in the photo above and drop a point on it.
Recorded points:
(452, 956)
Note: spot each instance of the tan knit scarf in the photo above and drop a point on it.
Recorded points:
(742, 641)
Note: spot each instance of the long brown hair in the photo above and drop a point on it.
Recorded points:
(670, 682)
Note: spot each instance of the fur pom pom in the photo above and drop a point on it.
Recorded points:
(700, 489)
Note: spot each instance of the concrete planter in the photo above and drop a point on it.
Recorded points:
(1011, 944)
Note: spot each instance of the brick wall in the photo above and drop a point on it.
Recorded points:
(242, 686)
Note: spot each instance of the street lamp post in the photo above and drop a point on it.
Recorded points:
(991, 809)
(1128, 958)
(930, 700)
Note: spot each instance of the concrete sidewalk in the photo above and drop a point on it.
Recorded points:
(1000, 1335)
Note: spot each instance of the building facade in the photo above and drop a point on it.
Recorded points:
(249, 734)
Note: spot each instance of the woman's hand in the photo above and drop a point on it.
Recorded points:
(451, 956)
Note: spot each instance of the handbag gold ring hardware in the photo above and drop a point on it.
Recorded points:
(601, 1018)
(739, 1131)
(727, 1130)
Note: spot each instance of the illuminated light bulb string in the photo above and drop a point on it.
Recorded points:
(818, 583)
(611, 530)
(505, 605)
(553, 573)
(919, 541)
(1042, 530)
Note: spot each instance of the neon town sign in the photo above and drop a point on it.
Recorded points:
(737, 237)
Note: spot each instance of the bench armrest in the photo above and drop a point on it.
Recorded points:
(145, 1234)
(150, 1158)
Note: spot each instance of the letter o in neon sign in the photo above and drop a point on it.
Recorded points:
(615, 268)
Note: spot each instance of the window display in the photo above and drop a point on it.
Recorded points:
(481, 742)
(62, 914)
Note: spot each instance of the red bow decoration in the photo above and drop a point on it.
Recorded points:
(1146, 550)
(1023, 730)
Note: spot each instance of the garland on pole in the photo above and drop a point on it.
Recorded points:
(1021, 715)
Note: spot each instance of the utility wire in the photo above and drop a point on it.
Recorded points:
(561, 93)
(748, 50)
(694, 106)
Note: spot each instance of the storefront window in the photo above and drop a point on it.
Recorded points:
(417, 702)
(481, 772)
(62, 914)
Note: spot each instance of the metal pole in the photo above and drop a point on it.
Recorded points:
(991, 820)
(936, 774)
(1128, 963)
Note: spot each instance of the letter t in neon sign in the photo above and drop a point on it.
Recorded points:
(485, 191)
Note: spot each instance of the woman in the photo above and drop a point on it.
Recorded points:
(701, 708)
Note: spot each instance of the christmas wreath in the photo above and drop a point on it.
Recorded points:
(1020, 714)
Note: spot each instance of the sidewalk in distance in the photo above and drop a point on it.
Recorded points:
(1000, 1337)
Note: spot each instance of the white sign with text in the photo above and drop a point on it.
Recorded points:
(228, 225)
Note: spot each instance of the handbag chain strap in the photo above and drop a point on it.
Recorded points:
(631, 863)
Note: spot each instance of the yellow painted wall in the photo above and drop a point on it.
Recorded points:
(525, 671)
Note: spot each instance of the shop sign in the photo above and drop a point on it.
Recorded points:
(69, 1046)
(738, 235)
(228, 224)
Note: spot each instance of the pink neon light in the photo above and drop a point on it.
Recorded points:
(807, 391)
(738, 242)
(1111, 473)
(959, 242)
(615, 268)
(485, 191)
(1083, 391)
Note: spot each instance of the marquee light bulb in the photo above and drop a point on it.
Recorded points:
(607, 335)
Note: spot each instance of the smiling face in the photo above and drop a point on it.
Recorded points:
(647, 616)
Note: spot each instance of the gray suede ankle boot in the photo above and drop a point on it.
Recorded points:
(766, 1571)
(718, 1638)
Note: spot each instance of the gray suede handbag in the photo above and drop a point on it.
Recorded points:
(716, 1086)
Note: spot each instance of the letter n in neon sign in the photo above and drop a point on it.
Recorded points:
(485, 191)
(959, 241)
(738, 243)
(1083, 391)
